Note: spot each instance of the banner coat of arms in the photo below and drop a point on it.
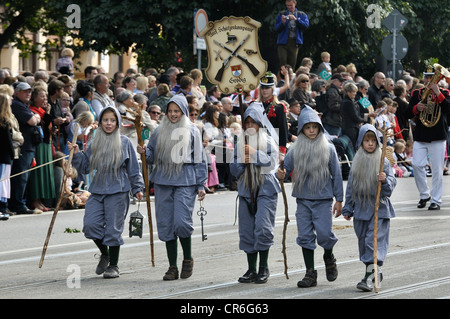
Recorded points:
(234, 61)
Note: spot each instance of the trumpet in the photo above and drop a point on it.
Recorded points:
(432, 112)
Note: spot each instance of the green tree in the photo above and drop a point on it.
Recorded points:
(161, 32)
(428, 32)
(21, 16)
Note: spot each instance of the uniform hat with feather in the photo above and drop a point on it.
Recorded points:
(429, 71)
(268, 80)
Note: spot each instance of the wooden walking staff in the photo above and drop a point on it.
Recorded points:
(286, 221)
(239, 91)
(61, 194)
(137, 123)
(377, 205)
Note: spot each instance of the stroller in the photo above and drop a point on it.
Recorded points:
(345, 152)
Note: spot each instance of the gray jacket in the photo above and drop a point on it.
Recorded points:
(267, 160)
(194, 173)
(333, 188)
(365, 212)
(129, 175)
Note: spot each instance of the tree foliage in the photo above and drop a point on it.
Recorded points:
(428, 32)
(161, 32)
(20, 17)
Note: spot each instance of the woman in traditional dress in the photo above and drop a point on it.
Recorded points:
(42, 180)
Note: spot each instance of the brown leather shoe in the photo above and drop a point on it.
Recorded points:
(331, 269)
(310, 279)
(171, 274)
(186, 269)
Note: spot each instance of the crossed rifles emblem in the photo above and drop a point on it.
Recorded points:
(234, 53)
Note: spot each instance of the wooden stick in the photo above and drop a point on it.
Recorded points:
(241, 110)
(61, 195)
(286, 221)
(377, 205)
(137, 124)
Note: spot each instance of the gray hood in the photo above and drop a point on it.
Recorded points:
(255, 112)
(116, 111)
(362, 131)
(308, 115)
(180, 100)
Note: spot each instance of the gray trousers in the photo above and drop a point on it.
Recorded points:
(314, 221)
(364, 232)
(256, 230)
(104, 217)
(174, 206)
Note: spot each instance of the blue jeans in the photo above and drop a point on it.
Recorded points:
(19, 183)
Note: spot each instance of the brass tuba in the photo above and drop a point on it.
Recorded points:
(432, 111)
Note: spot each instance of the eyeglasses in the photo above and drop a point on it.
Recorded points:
(305, 81)
(155, 112)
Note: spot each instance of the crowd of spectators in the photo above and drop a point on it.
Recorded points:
(43, 108)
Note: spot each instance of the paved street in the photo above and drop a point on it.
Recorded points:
(416, 267)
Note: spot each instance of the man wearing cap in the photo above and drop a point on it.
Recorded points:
(429, 144)
(290, 25)
(27, 122)
(332, 120)
(427, 75)
(292, 117)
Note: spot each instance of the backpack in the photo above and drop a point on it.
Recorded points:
(322, 103)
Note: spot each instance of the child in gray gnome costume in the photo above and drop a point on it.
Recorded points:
(317, 180)
(179, 172)
(112, 160)
(253, 166)
(360, 199)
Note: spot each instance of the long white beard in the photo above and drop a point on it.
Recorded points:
(311, 162)
(106, 154)
(173, 146)
(259, 142)
(365, 167)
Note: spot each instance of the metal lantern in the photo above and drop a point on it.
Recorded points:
(136, 223)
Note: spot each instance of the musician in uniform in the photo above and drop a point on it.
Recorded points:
(429, 142)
